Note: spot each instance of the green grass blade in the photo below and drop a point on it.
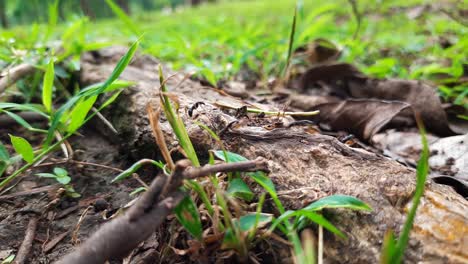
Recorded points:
(123, 17)
(94, 90)
(422, 170)
(388, 248)
(79, 113)
(53, 18)
(47, 86)
(24, 107)
(314, 217)
(121, 65)
(291, 42)
(177, 123)
(238, 188)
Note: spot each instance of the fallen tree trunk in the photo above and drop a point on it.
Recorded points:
(304, 166)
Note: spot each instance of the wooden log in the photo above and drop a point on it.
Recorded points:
(304, 167)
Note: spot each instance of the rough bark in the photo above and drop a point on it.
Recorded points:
(303, 166)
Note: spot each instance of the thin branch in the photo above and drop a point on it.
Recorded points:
(14, 74)
(26, 246)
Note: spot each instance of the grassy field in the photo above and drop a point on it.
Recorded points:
(405, 39)
(216, 41)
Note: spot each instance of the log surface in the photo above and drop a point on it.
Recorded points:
(304, 166)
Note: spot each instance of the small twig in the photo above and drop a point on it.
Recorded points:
(67, 152)
(104, 120)
(84, 163)
(78, 225)
(26, 246)
(14, 74)
(255, 165)
(30, 192)
(138, 179)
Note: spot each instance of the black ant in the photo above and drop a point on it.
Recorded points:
(193, 107)
(241, 112)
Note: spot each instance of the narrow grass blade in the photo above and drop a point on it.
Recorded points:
(47, 86)
(422, 170)
(79, 113)
(291, 43)
(124, 17)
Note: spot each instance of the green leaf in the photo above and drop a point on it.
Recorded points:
(314, 217)
(93, 90)
(338, 201)
(121, 65)
(333, 201)
(4, 156)
(79, 113)
(63, 179)
(47, 86)
(251, 221)
(23, 148)
(53, 17)
(24, 107)
(258, 176)
(238, 188)
(60, 172)
(3, 167)
(19, 120)
(62, 176)
(187, 214)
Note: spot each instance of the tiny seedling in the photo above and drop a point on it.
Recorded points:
(62, 177)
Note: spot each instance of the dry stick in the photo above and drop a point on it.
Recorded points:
(14, 74)
(26, 246)
(117, 238)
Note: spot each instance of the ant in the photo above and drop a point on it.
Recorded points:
(193, 107)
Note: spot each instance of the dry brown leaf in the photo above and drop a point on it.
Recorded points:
(363, 118)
